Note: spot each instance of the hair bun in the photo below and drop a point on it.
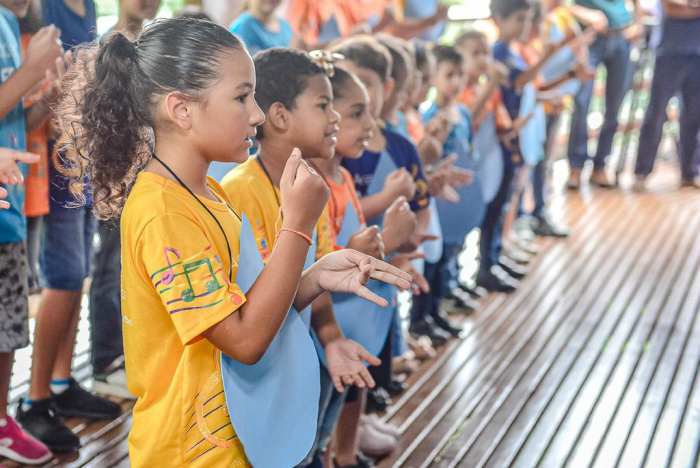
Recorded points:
(122, 46)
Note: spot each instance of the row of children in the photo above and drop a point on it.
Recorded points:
(180, 231)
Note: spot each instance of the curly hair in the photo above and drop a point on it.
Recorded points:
(106, 114)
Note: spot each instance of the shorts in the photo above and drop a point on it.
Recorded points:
(14, 294)
(67, 248)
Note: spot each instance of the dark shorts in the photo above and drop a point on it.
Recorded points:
(67, 248)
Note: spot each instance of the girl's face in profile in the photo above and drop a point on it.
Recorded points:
(226, 119)
(356, 124)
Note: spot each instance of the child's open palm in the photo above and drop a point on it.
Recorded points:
(346, 364)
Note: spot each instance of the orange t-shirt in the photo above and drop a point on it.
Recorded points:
(492, 106)
(37, 182)
(416, 127)
(341, 194)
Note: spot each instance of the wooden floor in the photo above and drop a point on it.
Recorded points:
(592, 362)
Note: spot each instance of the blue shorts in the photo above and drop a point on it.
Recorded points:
(67, 248)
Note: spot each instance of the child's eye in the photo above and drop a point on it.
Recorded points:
(323, 106)
(242, 98)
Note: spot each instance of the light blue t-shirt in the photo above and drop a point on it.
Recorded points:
(257, 37)
(13, 130)
(614, 10)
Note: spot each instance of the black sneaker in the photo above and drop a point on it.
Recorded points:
(41, 421)
(76, 402)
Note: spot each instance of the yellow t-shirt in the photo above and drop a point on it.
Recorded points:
(252, 193)
(174, 287)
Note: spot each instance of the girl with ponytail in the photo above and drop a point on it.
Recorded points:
(201, 318)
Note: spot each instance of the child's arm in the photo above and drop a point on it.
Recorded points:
(43, 50)
(532, 72)
(398, 184)
(498, 75)
(594, 18)
(245, 336)
(681, 9)
(413, 27)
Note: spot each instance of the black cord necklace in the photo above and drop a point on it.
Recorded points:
(272, 184)
(228, 246)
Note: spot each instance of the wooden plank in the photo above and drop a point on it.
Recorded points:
(529, 436)
(654, 376)
(517, 309)
(612, 374)
(551, 338)
(677, 402)
(504, 440)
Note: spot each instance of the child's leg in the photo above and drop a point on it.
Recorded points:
(33, 246)
(346, 432)
(6, 360)
(64, 357)
(53, 325)
(65, 262)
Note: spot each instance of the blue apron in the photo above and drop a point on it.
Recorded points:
(273, 404)
(533, 134)
(458, 219)
(491, 158)
(360, 320)
(560, 63)
(385, 166)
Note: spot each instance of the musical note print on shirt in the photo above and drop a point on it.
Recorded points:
(191, 283)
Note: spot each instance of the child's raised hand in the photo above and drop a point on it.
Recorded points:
(9, 172)
(403, 263)
(345, 360)
(399, 222)
(368, 241)
(55, 76)
(399, 183)
(348, 271)
(3, 204)
(498, 73)
(43, 51)
(304, 194)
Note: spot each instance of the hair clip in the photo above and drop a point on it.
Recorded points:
(326, 59)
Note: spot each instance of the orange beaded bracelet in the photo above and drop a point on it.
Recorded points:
(300, 234)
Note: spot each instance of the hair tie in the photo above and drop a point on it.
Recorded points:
(326, 59)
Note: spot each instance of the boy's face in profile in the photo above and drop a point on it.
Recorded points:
(477, 56)
(18, 8)
(314, 122)
(139, 9)
(449, 79)
(373, 83)
(514, 26)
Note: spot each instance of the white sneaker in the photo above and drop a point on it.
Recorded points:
(374, 443)
(113, 383)
(374, 421)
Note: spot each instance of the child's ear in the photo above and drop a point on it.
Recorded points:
(389, 88)
(278, 116)
(178, 109)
